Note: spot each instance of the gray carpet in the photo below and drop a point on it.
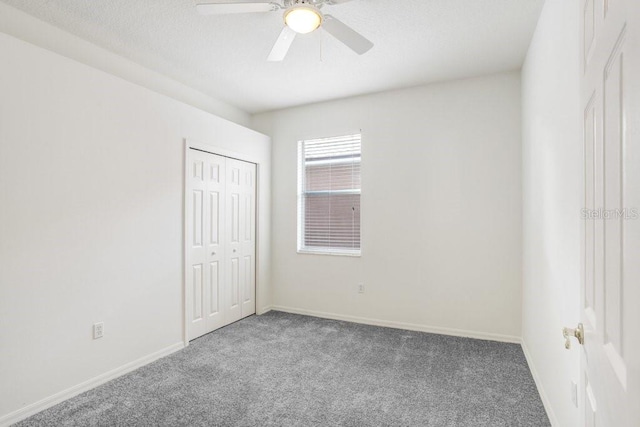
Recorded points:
(287, 370)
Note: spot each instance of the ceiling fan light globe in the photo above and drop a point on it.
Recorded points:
(303, 19)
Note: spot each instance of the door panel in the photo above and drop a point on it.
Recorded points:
(235, 282)
(589, 230)
(613, 197)
(241, 194)
(214, 288)
(248, 238)
(608, 394)
(198, 293)
(204, 251)
(248, 274)
(198, 218)
(195, 250)
(215, 184)
(235, 216)
(214, 226)
(248, 234)
(233, 310)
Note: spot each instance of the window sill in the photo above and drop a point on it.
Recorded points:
(352, 254)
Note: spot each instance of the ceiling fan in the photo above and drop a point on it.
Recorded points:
(300, 17)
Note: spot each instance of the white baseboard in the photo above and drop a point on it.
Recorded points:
(543, 395)
(400, 325)
(47, 402)
(264, 310)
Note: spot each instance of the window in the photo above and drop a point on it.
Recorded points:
(329, 195)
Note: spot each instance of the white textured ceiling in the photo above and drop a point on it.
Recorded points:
(416, 42)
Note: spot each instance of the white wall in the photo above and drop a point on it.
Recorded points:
(441, 209)
(552, 156)
(91, 220)
(30, 29)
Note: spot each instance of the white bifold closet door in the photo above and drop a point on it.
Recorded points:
(220, 241)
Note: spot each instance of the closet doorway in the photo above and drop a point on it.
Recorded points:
(220, 241)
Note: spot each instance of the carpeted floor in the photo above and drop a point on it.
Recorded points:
(288, 370)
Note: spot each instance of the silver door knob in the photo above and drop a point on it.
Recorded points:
(578, 333)
(213, 254)
(234, 250)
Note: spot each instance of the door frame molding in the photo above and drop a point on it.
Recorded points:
(219, 151)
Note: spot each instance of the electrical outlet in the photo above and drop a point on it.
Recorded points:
(574, 394)
(98, 330)
(361, 288)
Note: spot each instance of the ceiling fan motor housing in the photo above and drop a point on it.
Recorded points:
(315, 3)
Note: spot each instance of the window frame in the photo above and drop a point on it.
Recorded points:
(300, 219)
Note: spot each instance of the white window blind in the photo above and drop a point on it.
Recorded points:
(329, 195)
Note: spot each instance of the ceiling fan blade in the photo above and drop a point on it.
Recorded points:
(346, 35)
(225, 8)
(282, 45)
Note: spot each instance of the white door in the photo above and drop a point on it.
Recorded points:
(248, 239)
(233, 309)
(610, 386)
(220, 241)
(240, 260)
(205, 214)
